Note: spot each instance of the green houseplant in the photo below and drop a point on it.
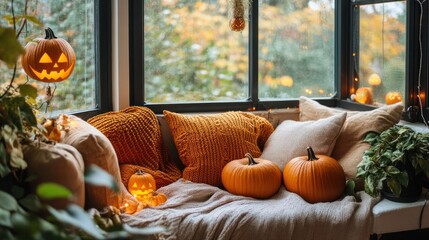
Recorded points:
(396, 163)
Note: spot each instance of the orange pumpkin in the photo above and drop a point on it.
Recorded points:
(393, 97)
(363, 95)
(237, 24)
(258, 178)
(316, 178)
(141, 184)
(49, 59)
(156, 199)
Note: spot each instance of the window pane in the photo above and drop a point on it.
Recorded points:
(382, 50)
(74, 22)
(190, 53)
(296, 48)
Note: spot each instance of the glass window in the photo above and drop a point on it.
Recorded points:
(191, 54)
(296, 49)
(73, 21)
(380, 53)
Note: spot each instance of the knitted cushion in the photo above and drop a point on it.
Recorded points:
(134, 133)
(136, 137)
(206, 143)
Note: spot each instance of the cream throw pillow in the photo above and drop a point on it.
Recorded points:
(291, 138)
(350, 146)
(95, 149)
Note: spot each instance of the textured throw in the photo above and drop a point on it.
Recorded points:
(201, 211)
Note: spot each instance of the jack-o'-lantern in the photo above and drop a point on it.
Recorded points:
(363, 95)
(141, 184)
(49, 59)
(393, 97)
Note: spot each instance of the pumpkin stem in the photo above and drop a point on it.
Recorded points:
(311, 155)
(251, 159)
(140, 172)
(49, 34)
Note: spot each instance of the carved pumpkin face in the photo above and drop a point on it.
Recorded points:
(49, 59)
(141, 184)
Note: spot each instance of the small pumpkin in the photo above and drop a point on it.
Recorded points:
(141, 183)
(393, 97)
(363, 95)
(258, 178)
(156, 199)
(49, 59)
(316, 178)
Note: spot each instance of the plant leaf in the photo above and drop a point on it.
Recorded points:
(31, 202)
(97, 176)
(27, 90)
(10, 48)
(51, 190)
(8, 202)
(394, 186)
(5, 218)
(76, 217)
(350, 187)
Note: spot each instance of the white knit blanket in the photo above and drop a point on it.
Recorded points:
(199, 211)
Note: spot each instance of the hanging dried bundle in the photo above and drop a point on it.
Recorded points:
(238, 12)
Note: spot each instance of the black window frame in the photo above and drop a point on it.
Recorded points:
(344, 20)
(252, 103)
(349, 17)
(103, 60)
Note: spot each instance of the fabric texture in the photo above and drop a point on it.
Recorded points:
(206, 143)
(349, 148)
(136, 138)
(58, 163)
(291, 139)
(201, 211)
(95, 149)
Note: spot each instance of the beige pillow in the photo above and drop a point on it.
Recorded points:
(291, 138)
(59, 163)
(350, 146)
(95, 149)
(207, 142)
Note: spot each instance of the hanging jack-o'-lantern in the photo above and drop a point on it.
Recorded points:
(238, 8)
(141, 184)
(49, 59)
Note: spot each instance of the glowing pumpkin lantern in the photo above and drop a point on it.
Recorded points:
(363, 95)
(49, 59)
(393, 97)
(141, 184)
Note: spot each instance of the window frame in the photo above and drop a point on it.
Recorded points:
(253, 102)
(103, 60)
(348, 16)
(343, 64)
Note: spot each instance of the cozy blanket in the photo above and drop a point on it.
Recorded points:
(201, 211)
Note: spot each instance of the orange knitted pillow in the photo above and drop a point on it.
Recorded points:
(206, 143)
(136, 137)
(134, 133)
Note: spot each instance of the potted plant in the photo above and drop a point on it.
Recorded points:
(396, 163)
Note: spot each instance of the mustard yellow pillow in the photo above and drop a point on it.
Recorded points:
(349, 148)
(206, 143)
